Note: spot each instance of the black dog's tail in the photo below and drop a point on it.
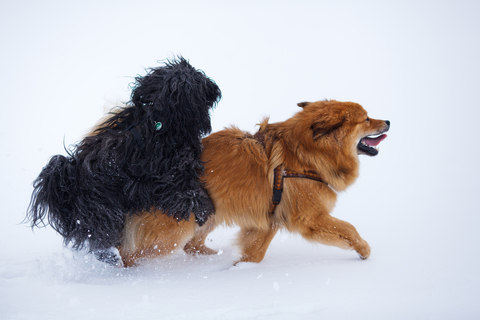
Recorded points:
(65, 202)
(51, 196)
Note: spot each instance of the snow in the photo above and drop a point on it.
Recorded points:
(414, 63)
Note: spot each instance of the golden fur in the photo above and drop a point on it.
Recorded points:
(239, 167)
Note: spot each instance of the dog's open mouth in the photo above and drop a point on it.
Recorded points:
(369, 145)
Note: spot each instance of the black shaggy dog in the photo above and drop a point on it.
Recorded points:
(144, 155)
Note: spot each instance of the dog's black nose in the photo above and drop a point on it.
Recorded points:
(388, 123)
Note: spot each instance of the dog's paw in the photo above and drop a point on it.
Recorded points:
(203, 208)
(200, 250)
(362, 257)
(110, 256)
(364, 251)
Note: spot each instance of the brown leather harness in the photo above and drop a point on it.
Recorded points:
(280, 174)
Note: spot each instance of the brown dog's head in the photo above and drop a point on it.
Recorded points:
(345, 125)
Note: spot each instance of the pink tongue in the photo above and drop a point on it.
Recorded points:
(373, 142)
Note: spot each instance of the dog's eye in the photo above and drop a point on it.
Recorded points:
(368, 119)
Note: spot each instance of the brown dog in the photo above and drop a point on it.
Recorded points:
(287, 175)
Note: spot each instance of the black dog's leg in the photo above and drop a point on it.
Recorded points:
(110, 256)
(203, 206)
(181, 204)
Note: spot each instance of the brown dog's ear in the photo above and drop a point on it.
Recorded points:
(327, 124)
(303, 104)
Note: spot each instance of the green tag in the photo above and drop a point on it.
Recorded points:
(158, 125)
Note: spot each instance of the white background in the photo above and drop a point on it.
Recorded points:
(63, 64)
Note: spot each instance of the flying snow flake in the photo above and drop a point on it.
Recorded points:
(276, 286)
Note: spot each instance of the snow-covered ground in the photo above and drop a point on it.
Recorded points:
(63, 64)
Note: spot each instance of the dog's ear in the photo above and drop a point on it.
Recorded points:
(303, 104)
(327, 124)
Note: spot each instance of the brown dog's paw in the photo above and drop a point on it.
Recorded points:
(362, 257)
(364, 251)
(200, 250)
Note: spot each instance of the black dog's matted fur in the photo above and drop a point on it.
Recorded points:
(146, 154)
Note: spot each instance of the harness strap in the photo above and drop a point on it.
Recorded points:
(279, 174)
(277, 187)
(312, 175)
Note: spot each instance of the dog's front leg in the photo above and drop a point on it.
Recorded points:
(203, 207)
(334, 232)
(254, 243)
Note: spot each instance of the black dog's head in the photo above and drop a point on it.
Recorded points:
(180, 96)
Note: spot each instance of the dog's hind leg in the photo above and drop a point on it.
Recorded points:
(196, 245)
(254, 243)
(153, 235)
